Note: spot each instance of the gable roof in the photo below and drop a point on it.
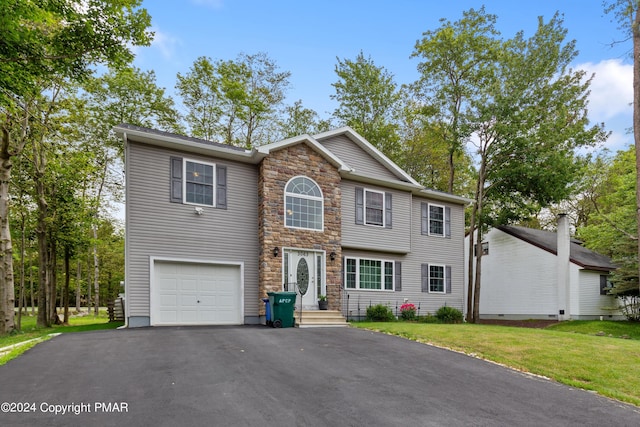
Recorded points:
(311, 142)
(356, 138)
(254, 156)
(548, 241)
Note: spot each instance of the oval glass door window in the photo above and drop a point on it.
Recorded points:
(302, 276)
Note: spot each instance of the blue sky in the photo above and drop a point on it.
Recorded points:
(305, 37)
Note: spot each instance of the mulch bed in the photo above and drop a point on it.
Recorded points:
(529, 323)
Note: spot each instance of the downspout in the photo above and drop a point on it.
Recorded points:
(562, 263)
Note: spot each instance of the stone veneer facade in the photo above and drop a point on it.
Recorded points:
(275, 171)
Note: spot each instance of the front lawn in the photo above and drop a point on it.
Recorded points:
(30, 332)
(607, 365)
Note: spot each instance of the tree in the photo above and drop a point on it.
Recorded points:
(368, 98)
(628, 14)
(525, 113)
(298, 120)
(611, 228)
(235, 101)
(457, 60)
(47, 41)
(424, 153)
(125, 95)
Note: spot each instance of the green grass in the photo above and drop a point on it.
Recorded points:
(589, 327)
(30, 331)
(603, 364)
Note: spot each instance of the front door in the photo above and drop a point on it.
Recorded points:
(303, 275)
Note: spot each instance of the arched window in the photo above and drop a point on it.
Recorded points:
(304, 204)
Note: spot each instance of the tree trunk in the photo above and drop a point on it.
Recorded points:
(78, 287)
(635, 26)
(33, 300)
(470, 276)
(43, 319)
(53, 283)
(89, 300)
(479, 221)
(67, 280)
(7, 292)
(21, 299)
(96, 270)
(43, 246)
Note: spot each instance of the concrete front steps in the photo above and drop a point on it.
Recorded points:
(320, 319)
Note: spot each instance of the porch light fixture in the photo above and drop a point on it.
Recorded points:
(198, 210)
(276, 251)
(332, 256)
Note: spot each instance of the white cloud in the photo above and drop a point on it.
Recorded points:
(214, 4)
(165, 43)
(611, 89)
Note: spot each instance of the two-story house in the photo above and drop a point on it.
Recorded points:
(211, 228)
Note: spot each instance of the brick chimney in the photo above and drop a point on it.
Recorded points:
(562, 267)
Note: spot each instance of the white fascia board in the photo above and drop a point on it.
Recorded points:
(446, 197)
(398, 185)
(168, 141)
(369, 148)
(266, 149)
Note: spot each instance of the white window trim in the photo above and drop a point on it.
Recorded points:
(184, 182)
(384, 208)
(303, 196)
(444, 220)
(444, 279)
(382, 275)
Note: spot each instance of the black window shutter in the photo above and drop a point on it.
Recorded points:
(603, 284)
(221, 187)
(176, 180)
(447, 278)
(398, 273)
(424, 276)
(447, 222)
(359, 205)
(424, 215)
(387, 208)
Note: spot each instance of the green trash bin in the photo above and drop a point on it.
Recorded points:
(282, 304)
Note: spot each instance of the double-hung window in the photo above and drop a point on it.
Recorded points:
(436, 278)
(435, 220)
(304, 204)
(199, 183)
(373, 207)
(369, 274)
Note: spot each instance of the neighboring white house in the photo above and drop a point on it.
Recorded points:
(523, 277)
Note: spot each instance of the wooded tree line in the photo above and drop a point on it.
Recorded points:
(498, 120)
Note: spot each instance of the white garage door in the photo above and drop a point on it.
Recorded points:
(195, 294)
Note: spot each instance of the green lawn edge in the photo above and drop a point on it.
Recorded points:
(603, 364)
(14, 344)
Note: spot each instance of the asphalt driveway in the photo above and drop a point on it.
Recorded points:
(258, 376)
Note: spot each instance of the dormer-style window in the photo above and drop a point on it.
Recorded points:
(304, 204)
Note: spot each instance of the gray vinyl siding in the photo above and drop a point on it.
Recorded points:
(358, 159)
(358, 236)
(156, 227)
(435, 250)
(424, 250)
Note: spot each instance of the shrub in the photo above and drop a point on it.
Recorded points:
(449, 315)
(408, 311)
(379, 313)
(428, 318)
